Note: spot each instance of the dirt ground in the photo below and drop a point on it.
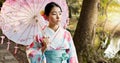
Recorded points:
(20, 55)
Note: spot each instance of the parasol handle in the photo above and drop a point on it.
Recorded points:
(42, 30)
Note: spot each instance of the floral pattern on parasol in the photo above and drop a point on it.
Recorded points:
(23, 19)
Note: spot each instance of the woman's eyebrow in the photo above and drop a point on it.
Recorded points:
(56, 12)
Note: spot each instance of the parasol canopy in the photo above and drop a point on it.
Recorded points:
(21, 20)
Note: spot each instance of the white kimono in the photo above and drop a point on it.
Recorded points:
(60, 50)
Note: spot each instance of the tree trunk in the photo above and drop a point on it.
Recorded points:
(84, 31)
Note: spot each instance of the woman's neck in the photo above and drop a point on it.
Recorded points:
(54, 27)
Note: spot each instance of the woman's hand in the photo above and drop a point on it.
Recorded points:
(45, 42)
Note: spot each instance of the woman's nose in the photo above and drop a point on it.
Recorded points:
(58, 16)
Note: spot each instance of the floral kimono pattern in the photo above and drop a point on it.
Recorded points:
(60, 50)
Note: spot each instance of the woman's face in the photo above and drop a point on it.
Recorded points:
(54, 17)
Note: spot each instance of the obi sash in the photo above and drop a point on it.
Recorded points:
(56, 56)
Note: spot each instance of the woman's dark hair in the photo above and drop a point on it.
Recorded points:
(49, 7)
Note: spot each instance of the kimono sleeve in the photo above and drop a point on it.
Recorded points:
(72, 51)
(34, 53)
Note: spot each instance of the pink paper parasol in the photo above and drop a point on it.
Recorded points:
(23, 19)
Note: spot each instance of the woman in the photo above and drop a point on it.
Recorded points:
(56, 45)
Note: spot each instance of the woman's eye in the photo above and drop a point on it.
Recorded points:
(60, 13)
(54, 14)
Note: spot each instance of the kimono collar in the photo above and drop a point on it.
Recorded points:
(55, 36)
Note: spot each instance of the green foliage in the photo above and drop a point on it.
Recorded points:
(101, 19)
(74, 7)
(114, 7)
(103, 6)
(97, 42)
(107, 10)
(103, 3)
